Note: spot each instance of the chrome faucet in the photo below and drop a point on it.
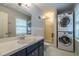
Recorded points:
(22, 36)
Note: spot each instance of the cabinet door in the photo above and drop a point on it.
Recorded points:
(41, 48)
(34, 52)
(32, 48)
(20, 53)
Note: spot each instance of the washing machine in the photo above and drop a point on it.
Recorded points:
(65, 22)
(65, 40)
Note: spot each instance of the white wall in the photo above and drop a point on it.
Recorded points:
(37, 24)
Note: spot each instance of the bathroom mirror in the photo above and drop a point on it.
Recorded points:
(13, 22)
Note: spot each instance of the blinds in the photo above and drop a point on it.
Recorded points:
(77, 26)
(21, 26)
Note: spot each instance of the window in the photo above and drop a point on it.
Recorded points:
(77, 26)
(29, 26)
(21, 26)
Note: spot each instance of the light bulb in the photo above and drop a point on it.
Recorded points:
(26, 4)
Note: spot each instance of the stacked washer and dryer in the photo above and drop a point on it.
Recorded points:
(65, 31)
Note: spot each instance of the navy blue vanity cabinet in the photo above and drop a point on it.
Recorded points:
(36, 49)
(41, 48)
(20, 53)
(33, 52)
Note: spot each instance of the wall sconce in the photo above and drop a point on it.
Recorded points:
(47, 15)
(43, 18)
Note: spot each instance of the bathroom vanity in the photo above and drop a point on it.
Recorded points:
(30, 47)
(35, 49)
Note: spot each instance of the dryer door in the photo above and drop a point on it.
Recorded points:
(64, 21)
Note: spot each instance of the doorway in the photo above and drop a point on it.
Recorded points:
(48, 31)
(49, 27)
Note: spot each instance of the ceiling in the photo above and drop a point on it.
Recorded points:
(16, 7)
(42, 6)
(58, 6)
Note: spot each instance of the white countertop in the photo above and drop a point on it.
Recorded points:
(10, 47)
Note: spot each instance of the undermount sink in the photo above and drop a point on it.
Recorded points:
(26, 40)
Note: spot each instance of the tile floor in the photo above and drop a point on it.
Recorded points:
(50, 50)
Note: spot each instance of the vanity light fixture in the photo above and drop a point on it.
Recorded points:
(26, 5)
